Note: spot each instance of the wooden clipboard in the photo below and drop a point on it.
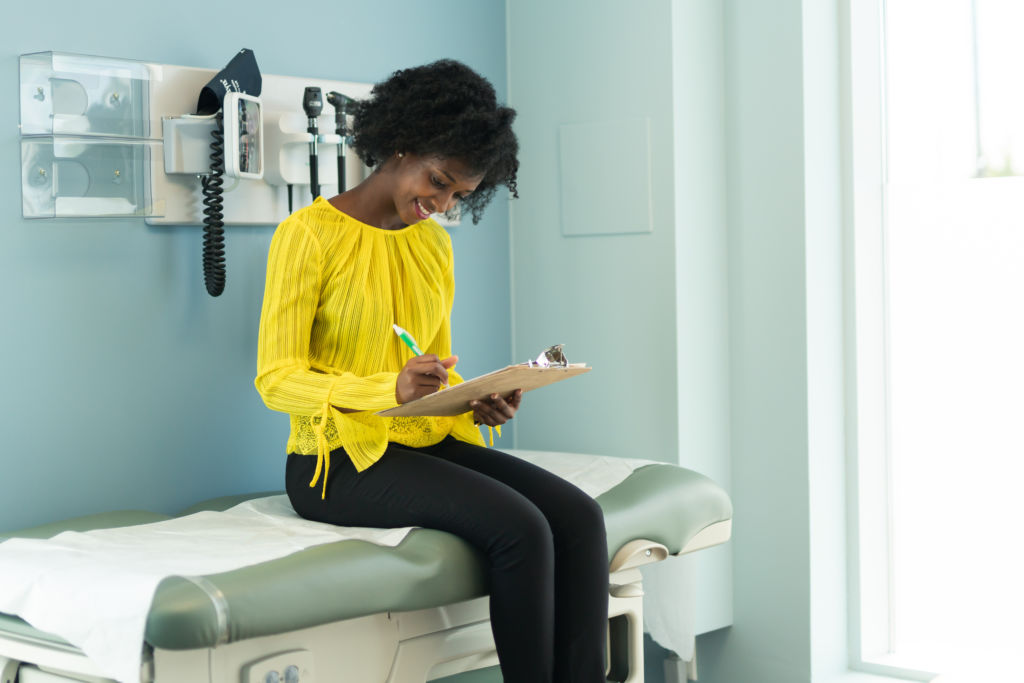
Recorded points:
(455, 400)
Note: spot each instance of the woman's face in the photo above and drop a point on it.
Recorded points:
(426, 185)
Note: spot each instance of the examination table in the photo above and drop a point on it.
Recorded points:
(359, 612)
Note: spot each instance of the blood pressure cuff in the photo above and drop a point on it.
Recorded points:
(240, 75)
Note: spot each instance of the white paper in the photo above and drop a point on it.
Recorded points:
(593, 474)
(670, 595)
(94, 588)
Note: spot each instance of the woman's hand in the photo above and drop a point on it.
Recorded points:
(422, 375)
(495, 410)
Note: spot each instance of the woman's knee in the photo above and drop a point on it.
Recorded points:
(524, 532)
(578, 514)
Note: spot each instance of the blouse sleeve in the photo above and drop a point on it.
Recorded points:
(284, 377)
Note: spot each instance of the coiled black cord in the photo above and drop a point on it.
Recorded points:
(213, 225)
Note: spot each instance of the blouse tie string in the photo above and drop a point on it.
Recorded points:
(323, 448)
(360, 433)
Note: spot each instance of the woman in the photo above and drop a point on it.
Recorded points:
(340, 273)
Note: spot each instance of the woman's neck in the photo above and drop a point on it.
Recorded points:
(370, 202)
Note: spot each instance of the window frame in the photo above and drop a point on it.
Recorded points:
(866, 311)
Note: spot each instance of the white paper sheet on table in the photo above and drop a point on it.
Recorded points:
(670, 598)
(94, 588)
(593, 474)
(42, 580)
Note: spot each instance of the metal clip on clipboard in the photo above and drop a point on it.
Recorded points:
(551, 357)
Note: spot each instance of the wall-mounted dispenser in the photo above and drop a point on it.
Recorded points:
(87, 145)
(65, 94)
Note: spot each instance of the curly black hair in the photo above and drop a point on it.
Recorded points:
(443, 109)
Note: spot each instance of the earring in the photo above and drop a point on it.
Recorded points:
(401, 154)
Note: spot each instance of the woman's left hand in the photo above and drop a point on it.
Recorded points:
(495, 410)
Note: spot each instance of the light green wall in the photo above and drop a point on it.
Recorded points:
(648, 311)
(702, 274)
(767, 304)
(785, 280)
(737, 292)
(609, 298)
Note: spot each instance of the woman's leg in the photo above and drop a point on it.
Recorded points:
(581, 555)
(411, 488)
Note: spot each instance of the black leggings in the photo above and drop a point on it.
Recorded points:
(544, 540)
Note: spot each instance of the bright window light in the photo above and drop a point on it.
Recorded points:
(953, 254)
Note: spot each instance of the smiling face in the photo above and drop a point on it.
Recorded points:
(428, 185)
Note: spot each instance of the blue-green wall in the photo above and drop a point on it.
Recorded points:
(124, 383)
(718, 337)
(785, 199)
(647, 310)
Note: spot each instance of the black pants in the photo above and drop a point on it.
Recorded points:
(544, 540)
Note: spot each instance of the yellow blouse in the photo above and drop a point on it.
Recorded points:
(334, 288)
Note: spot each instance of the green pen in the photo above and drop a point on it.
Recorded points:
(410, 342)
(407, 338)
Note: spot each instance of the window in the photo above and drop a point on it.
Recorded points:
(937, 143)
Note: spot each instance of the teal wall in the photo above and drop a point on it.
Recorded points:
(784, 185)
(717, 337)
(125, 384)
(647, 310)
(609, 298)
(767, 304)
(702, 275)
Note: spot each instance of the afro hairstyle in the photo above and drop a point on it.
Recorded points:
(443, 109)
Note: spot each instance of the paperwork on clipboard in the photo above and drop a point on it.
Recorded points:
(550, 367)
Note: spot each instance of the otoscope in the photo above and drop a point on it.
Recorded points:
(340, 103)
(313, 104)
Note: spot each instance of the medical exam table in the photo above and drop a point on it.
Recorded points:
(359, 612)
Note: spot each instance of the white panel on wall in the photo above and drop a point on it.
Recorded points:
(606, 177)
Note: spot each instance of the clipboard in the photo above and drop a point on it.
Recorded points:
(455, 399)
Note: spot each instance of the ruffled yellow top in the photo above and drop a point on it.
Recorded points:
(334, 288)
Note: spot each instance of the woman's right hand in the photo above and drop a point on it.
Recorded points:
(422, 375)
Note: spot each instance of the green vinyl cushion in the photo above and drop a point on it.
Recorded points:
(348, 579)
